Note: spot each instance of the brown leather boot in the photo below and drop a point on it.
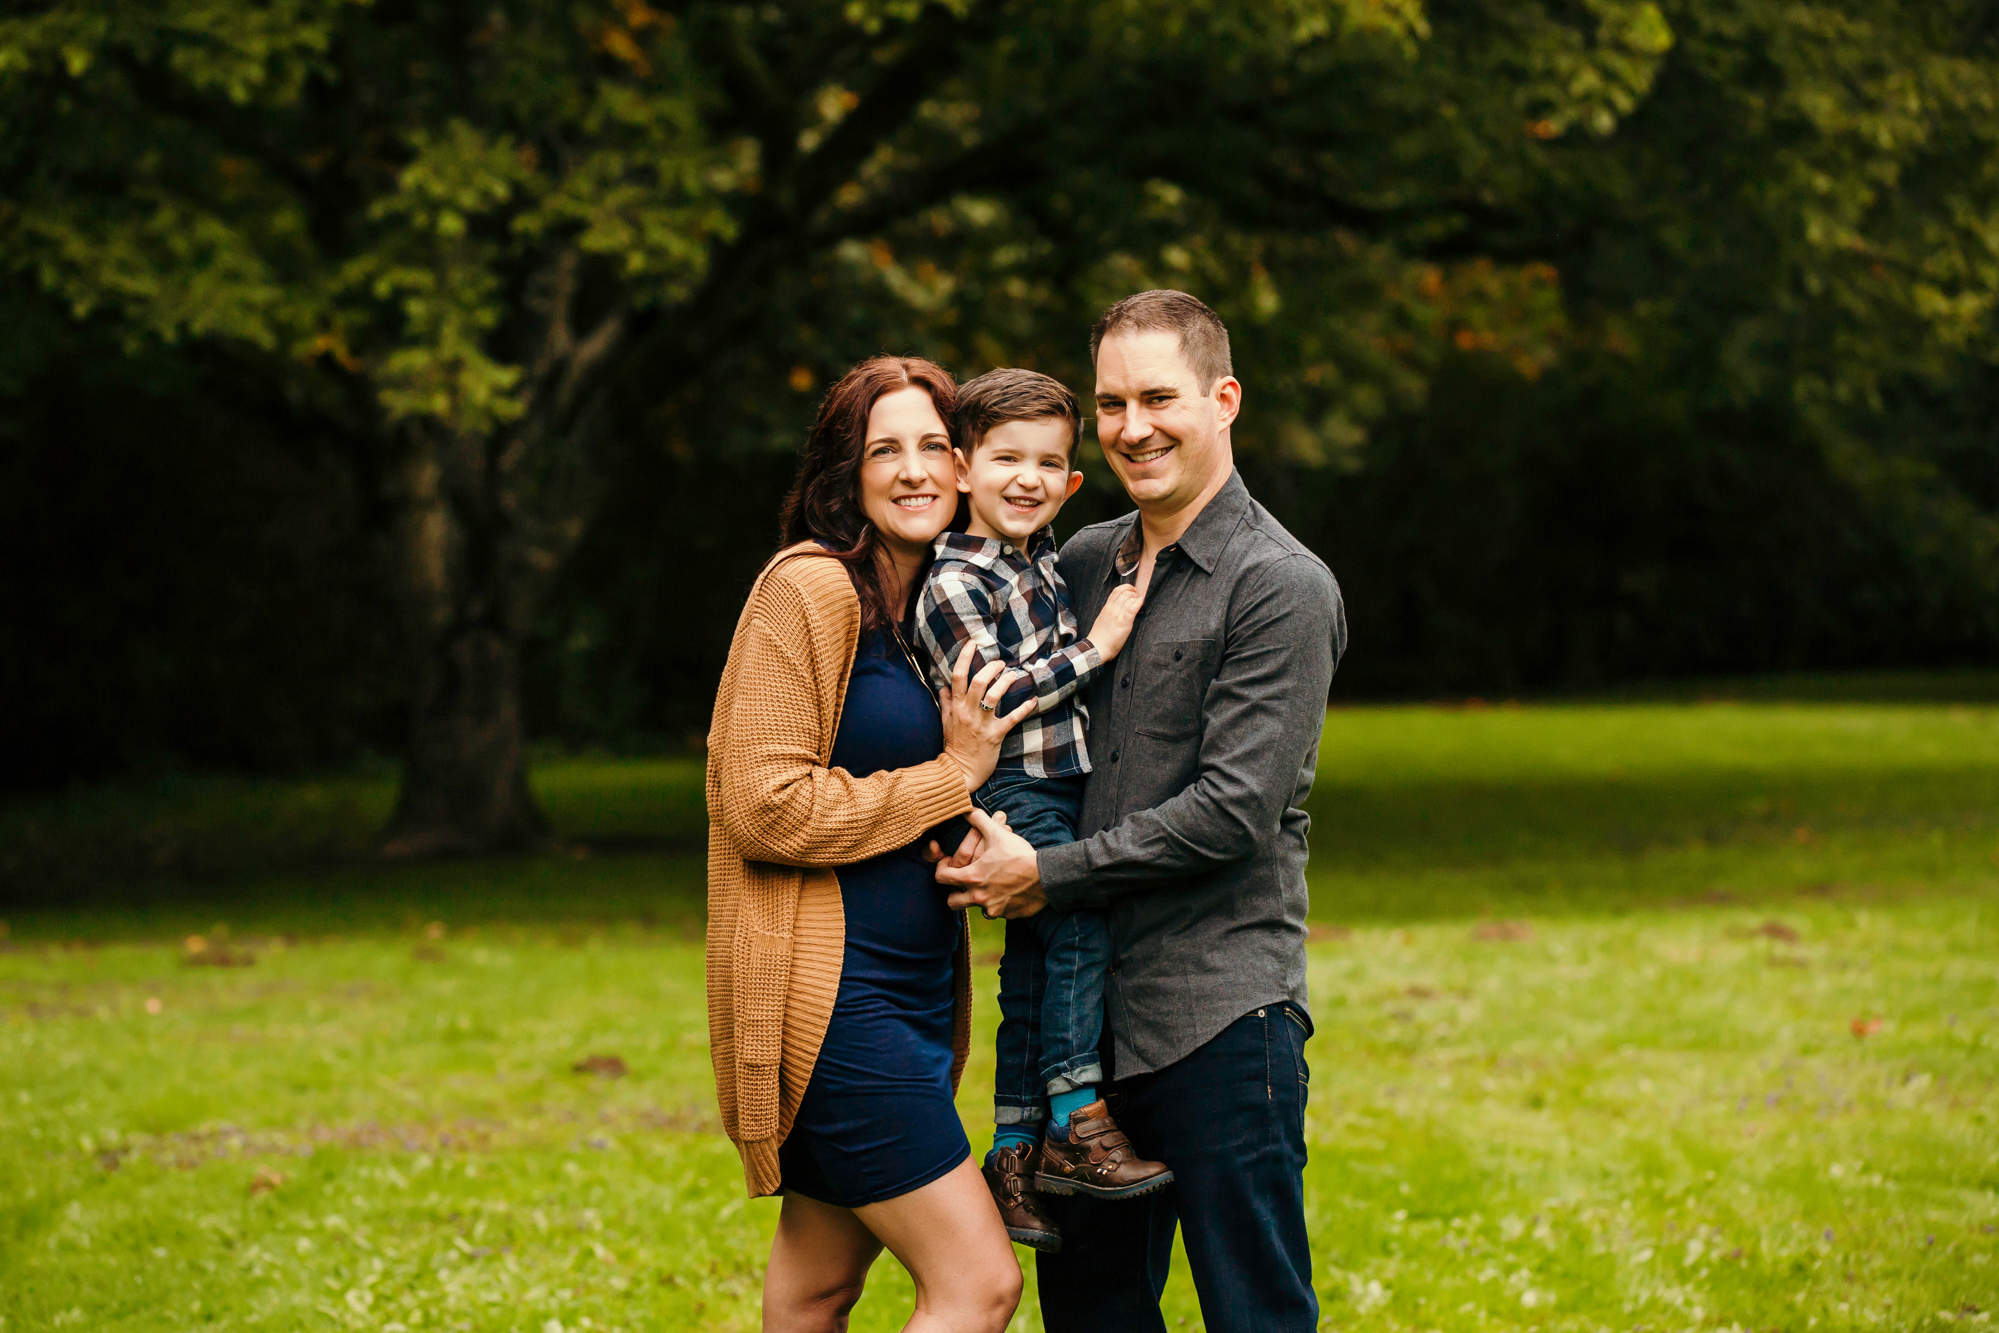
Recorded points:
(1009, 1176)
(1097, 1160)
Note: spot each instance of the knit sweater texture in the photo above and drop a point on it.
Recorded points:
(780, 823)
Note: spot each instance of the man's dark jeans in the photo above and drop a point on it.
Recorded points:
(1229, 1118)
(1052, 974)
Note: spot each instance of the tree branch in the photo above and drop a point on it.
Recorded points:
(988, 163)
(669, 346)
(933, 51)
(156, 89)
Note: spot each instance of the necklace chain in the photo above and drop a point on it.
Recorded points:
(922, 678)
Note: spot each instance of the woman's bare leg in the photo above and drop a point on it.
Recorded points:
(950, 1238)
(819, 1261)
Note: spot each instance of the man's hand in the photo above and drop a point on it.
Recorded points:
(1003, 879)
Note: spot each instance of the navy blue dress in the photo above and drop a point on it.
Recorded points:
(878, 1119)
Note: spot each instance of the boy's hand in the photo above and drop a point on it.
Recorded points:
(968, 850)
(1113, 624)
(1004, 879)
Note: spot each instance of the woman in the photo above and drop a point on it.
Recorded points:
(838, 981)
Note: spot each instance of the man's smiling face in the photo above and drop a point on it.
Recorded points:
(1161, 435)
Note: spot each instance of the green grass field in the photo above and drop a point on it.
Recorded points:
(1658, 1015)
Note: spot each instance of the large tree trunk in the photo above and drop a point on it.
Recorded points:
(464, 785)
(486, 523)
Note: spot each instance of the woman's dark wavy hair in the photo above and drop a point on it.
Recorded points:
(825, 501)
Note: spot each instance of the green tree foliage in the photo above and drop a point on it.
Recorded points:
(503, 252)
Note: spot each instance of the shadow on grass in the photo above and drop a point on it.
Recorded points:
(662, 893)
(135, 843)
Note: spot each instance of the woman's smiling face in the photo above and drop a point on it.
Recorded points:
(909, 484)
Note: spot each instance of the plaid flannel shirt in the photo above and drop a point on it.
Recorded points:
(1013, 607)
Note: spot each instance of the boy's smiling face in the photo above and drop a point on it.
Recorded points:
(1017, 478)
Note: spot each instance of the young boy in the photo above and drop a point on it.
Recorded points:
(995, 586)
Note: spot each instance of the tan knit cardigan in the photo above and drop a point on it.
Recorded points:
(779, 821)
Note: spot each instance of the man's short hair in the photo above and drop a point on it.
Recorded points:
(1204, 342)
(1013, 394)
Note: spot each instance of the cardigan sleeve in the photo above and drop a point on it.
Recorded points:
(779, 803)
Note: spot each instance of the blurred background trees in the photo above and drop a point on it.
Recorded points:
(424, 376)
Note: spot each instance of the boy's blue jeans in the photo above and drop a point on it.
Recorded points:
(1052, 974)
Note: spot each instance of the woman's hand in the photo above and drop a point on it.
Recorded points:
(973, 729)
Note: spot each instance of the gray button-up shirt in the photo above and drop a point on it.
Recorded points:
(1205, 732)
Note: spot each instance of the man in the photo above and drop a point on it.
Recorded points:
(1205, 735)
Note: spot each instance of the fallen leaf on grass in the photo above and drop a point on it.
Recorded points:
(1776, 930)
(434, 931)
(427, 953)
(196, 951)
(1865, 1027)
(1502, 930)
(1319, 933)
(221, 958)
(266, 1181)
(153, 1005)
(603, 1066)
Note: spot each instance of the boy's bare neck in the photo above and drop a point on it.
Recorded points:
(978, 527)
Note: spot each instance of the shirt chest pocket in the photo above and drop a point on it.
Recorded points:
(1169, 686)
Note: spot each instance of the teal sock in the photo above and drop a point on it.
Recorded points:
(1017, 1135)
(1062, 1105)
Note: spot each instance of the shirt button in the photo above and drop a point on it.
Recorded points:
(1113, 756)
(1176, 654)
(1126, 682)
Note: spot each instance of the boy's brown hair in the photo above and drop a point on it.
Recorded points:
(1013, 394)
